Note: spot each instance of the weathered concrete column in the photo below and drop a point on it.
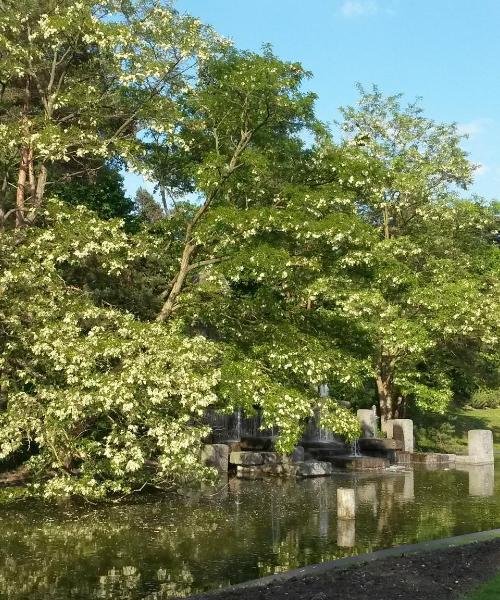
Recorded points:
(402, 430)
(346, 503)
(368, 422)
(216, 455)
(481, 444)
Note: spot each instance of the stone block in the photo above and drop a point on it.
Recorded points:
(314, 469)
(246, 459)
(380, 444)
(402, 430)
(366, 463)
(368, 421)
(434, 459)
(216, 455)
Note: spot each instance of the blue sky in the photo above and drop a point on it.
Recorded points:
(446, 51)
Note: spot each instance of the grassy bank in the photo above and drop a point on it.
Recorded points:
(448, 433)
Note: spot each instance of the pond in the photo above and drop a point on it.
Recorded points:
(244, 530)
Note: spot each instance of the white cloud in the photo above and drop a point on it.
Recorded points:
(358, 8)
(473, 127)
(481, 169)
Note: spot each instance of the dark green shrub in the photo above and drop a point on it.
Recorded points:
(485, 398)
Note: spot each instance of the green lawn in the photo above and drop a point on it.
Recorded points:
(448, 432)
(474, 418)
(488, 591)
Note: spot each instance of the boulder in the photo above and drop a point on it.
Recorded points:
(272, 458)
(314, 469)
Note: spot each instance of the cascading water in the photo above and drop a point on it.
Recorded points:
(355, 451)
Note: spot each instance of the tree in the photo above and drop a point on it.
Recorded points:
(426, 291)
(93, 401)
(101, 189)
(147, 207)
(81, 79)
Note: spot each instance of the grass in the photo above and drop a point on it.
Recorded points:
(488, 591)
(478, 418)
(448, 433)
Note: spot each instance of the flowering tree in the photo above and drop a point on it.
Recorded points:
(93, 401)
(428, 291)
(81, 79)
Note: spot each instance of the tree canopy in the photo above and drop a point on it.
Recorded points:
(281, 257)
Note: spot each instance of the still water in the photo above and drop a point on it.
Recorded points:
(246, 529)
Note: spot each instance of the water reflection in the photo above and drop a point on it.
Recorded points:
(481, 479)
(242, 530)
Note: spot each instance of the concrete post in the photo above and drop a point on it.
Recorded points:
(481, 445)
(368, 422)
(401, 429)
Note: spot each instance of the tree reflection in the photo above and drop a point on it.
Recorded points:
(243, 530)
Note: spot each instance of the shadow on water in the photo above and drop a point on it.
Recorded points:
(248, 529)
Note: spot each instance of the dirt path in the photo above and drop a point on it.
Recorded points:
(437, 575)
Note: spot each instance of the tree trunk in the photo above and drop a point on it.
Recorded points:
(169, 304)
(21, 187)
(385, 399)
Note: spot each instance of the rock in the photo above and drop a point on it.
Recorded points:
(297, 455)
(246, 458)
(319, 596)
(272, 458)
(216, 455)
(314, 469)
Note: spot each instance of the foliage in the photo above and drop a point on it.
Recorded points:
(82, 78)
(106, 403)
(274, 265)
(147, 207)
(441, 438)
(485, 398)
(102, 191)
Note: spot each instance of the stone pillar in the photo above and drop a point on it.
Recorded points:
(402, 430)
(216, 455)
(346, 503)
(481, 445)
(368, 422)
